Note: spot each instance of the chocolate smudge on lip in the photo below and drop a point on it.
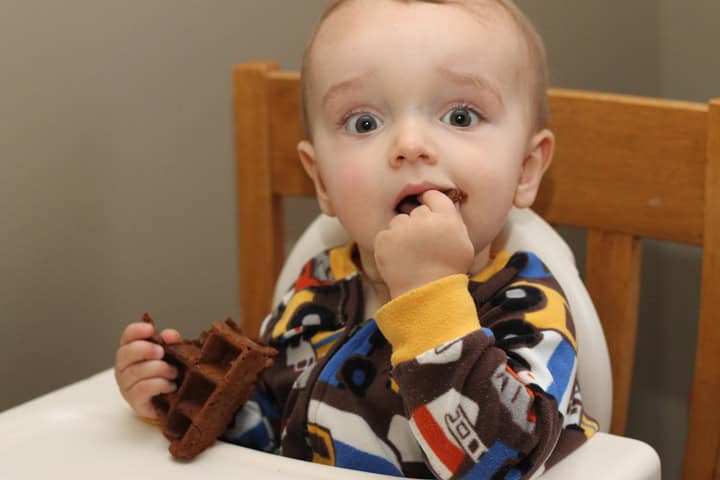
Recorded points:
(456, 195)
(411, 202)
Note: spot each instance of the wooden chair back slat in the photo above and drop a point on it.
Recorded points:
(626, 164)
(626, 168)
(612, 277)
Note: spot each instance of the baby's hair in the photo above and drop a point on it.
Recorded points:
(536, 54)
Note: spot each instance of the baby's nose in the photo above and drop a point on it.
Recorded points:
(411, 145)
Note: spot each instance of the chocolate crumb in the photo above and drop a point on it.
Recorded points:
(456, 195)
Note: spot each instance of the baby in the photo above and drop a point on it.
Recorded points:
(417, 349)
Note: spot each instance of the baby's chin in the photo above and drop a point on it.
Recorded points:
(364, 259)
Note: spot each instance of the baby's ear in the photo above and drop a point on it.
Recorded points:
(306, 151)
(534, 166)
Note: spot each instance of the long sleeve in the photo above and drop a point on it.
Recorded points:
(487, 373)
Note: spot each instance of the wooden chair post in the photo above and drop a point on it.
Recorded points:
(259, 211)
(613, 281)
(702, 452)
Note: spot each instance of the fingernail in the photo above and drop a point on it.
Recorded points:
(159, 351)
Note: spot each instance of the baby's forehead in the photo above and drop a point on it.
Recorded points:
(342, 26)
(345, 14)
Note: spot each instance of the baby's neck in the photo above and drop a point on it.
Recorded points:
(481, 260)
(375, 291)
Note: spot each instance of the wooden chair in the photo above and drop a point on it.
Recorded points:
(625, 168)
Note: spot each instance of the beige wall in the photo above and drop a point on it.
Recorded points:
(116, 170)
(610, 45)
(689, 39)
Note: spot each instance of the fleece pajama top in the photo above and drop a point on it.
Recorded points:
(461, 378)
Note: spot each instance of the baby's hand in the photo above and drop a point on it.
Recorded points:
(430, 243)
(140, 371)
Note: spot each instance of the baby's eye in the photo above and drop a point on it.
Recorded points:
(363, 123)
(461, 117)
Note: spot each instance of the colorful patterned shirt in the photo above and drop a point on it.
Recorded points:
(461, 378)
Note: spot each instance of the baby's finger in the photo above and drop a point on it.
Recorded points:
(140, 394)
(399, 219)
(146, 410)
(135, 352)
(170, 335)
(136, 331)
(420, 212)
(138, 372)
(438, 202)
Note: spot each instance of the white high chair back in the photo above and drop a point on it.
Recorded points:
(525, 230)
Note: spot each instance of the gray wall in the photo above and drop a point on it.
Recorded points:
(117, 176)
(117, 171)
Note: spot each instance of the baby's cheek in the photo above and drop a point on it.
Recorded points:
(357, 204)
(354, 184)
(352, 172)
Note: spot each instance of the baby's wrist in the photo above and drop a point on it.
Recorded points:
(401, 289)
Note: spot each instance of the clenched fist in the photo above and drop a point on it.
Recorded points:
(428, 244)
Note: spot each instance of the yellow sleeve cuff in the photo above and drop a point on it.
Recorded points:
(427, 317)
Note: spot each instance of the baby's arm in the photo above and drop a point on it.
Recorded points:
(487, 390)
(140, 371)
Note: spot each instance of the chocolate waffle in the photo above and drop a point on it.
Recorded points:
(216, 374)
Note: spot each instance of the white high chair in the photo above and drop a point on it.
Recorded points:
(86, 429)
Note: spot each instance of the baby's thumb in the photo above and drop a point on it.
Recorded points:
(170, 336)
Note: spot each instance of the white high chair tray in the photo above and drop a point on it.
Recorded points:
(86, 430)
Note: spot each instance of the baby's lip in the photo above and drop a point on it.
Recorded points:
(416, 190)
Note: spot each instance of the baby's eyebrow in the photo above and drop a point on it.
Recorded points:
(472, 80)
(352, 83)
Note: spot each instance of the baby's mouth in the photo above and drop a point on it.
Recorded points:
(411, 202)
(408, 204)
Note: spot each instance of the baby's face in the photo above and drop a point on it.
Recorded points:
(409, 97)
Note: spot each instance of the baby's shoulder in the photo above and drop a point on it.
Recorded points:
(528, 265)
(513, 265)
(327, 267)
(510, 272)
(312, 300)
